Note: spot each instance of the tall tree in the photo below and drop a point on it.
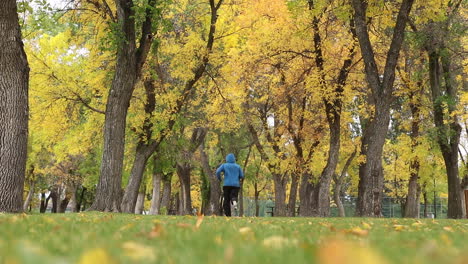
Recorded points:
(375, 131)
(130, 60)
(147, 146)
(14, 110)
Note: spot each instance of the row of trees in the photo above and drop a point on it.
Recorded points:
(317, 99)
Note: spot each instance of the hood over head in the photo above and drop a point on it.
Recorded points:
(230, 158)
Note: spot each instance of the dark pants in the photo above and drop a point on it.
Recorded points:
(229, 195)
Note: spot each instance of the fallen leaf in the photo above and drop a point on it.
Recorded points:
(357, 231)
(183, 225)
(448, 229)
(366, 225)
(199, 221)
(156, 231)
(97, 255)
(399, 227)
(278, 242)
(245, 230)
(343, 252)
(138, 251)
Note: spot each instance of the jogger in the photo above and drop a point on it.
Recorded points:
(232, 176)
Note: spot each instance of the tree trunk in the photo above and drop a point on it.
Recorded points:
(62, 206)
(213, 207)
(370, 187)
(156, 197)
(80, 203)
(183, 171)
(337, 199)
(412, 200)
(414, 190)
(280, 194)
(129, 200)
(73, 200)
(43, 207)
(293, 195)
(322, 197)
(55, 200)
(448, 136)
(166, 194)
(127, 70)
(256, 195)
(306, 194)
(27, 202)
(14, 110)
(425, 203)
(140, 204)
(339, 183)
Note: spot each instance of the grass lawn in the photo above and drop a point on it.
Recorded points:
(118, 238)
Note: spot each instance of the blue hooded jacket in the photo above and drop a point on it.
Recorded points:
(232, 172)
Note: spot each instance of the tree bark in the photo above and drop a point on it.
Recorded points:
(448, 136)
(333, 107)
(306, 194)
(14, 110)
(339, 183)
(213, 207)
(370, 187)
(130, 60)
(183, 171)
(166, 194)
(414, 189)
(44, 201)
(32, 183)
(140, 204)
(55, 200)
(156, 197)
(425, 203)
(280, 181)
(293, 195)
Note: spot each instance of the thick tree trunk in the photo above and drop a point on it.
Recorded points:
(414, 190)
(448, 136)
(123, 83)
(156, 197)
(127, 70)
(280, 194)
(73, 200)
(43, 206)
(14, 110)
(55, 200)
(370, 187)
(166, 194)
(293, 195)
(213, 207)
(63, 205)
(129, 200)
(412, 200)
(322, 197)
(183, 171)
(140, 204)
(306, 194)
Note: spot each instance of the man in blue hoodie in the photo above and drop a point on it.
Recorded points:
(232, 176)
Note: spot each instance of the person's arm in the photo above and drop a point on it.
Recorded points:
(241, 173)
(218, 171)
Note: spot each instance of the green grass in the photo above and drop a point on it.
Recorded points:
(118, 238)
